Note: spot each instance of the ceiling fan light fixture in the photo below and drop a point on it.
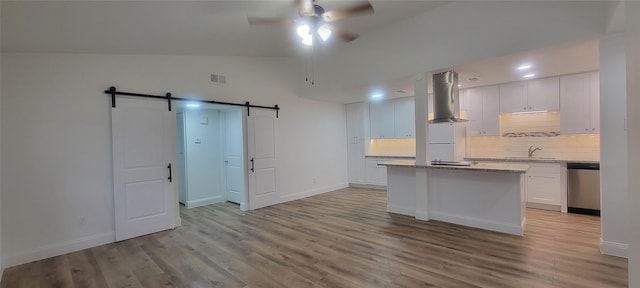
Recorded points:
(303, 30)
(307, 40)
(324, 32)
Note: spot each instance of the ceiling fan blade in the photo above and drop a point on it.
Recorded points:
(335, 15)
(305, 7)
(345, 36)
(269, 21)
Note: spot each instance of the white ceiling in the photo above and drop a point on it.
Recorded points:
(217, 28)
(400, 38)
(553, 61)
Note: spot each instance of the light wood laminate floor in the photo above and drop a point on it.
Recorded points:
(343, 238)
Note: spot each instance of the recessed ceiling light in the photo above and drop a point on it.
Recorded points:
(459, 85)
(529, 75)
(401, 91)
(473, 79)
(376, 95)
(524, 67)
(193, 105)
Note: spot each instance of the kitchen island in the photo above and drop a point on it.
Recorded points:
(489, 196)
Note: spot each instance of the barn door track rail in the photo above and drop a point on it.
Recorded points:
(113, 92)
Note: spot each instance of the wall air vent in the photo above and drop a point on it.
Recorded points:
(215, 78)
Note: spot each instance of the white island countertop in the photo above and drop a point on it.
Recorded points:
(509, 167)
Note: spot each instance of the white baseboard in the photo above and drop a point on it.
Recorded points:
(312, 192)
(401, 210)
(478, 223)
(422, 215)
(544, 206)
(368, 186)
(614, 248)
(204, 201)
(244, 206)
(56, 249)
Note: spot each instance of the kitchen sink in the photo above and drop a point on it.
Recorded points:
(529, 158)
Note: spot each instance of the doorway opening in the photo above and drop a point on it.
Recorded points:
(210, 155)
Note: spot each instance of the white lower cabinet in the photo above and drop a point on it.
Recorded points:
(356, 163)
(547, 186)
(377, 174)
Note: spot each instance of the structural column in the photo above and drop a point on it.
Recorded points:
(422, 153)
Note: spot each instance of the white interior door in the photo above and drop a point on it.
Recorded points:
(143, 139)
(233, 154)
(181, 167)
(261, 134)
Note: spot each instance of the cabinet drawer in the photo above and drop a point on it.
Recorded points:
(544, 168)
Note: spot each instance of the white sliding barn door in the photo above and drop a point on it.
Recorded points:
(143, 139)
(261, 134)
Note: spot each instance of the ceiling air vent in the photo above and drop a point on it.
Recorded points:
(215, 78)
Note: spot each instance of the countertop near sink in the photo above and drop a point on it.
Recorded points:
(390, 156)
(533, 159)
(496, 167)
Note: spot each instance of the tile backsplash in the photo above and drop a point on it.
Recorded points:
(392, 147)
(563, 146)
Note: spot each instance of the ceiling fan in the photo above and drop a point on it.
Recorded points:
(315, 23)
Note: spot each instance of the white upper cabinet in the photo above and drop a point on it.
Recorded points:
(405, 120)
(543, 94)
(483, 110)
(393, 118)
(381, 117)
(513, 97)
(533, 95)
(580, 103)
(355, 121)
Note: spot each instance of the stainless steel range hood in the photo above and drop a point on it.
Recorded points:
(446, 107)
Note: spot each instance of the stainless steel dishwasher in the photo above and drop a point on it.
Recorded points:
(583, 188)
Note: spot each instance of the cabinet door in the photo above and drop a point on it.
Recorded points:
(574, 103)
(543, 189)
(356, 163)
(543, 94)
(473, 102)
(594, 107)
(491, 110)
(381, 117)
(382, 173)
(513, 97)
(355, 122)
(372, 171)
(405, 120)
(544, 183)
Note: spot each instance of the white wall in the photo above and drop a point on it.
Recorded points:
(613, 145)
(204, 159)
(57, 142)
(632, 32)
(1, 262)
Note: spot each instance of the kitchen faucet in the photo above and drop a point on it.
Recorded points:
(532, 150)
